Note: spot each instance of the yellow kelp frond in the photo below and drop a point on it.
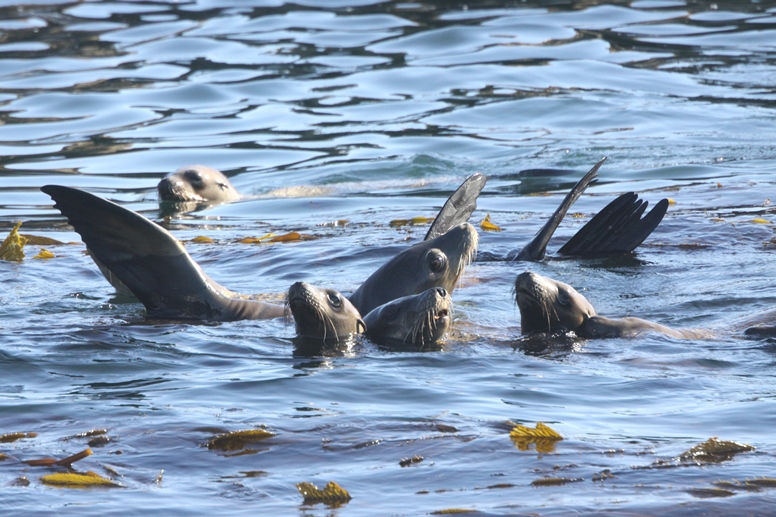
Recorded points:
(77, 480)
(13, 246)
(332, 494)
(543, 436)
(287, 237)
(236, 440)
(715, 451)
(44, 254)
(256, 240)
(489, 226)
(201, 239)
(540, 431)
(395, 223)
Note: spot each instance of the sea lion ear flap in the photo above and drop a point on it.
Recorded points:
(360, 327)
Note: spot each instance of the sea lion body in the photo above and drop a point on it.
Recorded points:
(198, 184)
(418, 320)
(547, 305)
(151, 263)
(323, 314)
(437, 262)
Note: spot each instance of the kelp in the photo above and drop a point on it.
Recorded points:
(237, 440)
(273, 237)
(65, 462)
(396, 223)
(12, 437)
(542, 436)
(554, 481)
(488, 226)
(748, 485)
(714, 450)
(406, 462)
(77, 480)
(12, 248)
(44, 254)
(332, 494)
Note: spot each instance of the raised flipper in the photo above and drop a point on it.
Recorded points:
(536, 249)
(618, 228)
(151, 262)
(458, 207)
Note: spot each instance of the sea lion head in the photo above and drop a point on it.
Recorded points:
(546, 304)
(418, 320)
(437, 262)
(196, 183)
(323, 314)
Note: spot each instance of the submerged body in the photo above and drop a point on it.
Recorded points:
(547, 305)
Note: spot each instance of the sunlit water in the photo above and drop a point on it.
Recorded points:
(324, 111)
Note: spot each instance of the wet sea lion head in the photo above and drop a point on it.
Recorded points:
(323, 314)
(437, 262)
(196, 183)
(418, 320)
(546, 304)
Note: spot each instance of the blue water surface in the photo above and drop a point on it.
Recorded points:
(334, 118)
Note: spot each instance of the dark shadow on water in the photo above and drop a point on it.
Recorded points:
(557, 343)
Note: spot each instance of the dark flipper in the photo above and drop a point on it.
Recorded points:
(458, 207)
(151, 262)
(618, 228)
(536, 249)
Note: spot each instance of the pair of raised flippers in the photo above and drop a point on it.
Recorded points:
(406, 300)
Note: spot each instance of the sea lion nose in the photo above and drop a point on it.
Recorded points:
(442, 292)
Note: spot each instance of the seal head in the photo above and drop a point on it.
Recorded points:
(437, 262)
(547, 305)
(197, 183)
(417, 321)
(323, 314)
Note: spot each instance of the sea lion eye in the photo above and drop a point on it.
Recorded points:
(334, 299)
(193, 176)
(437, 261)
(390, 312)
(564, 298)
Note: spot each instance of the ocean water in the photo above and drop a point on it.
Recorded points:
(362, 111)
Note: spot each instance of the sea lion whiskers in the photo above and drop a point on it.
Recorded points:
(468, 249)
(422, 329)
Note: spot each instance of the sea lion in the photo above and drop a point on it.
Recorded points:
(152, 264)
(437, 262)
(547, 305)
(418, 320)
(323, 314)
(198, 184)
